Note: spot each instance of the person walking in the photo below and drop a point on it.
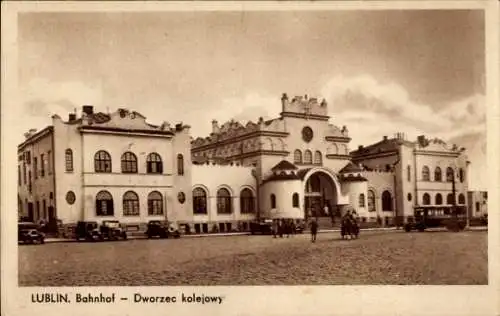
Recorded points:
(275, 228)
(314, 230)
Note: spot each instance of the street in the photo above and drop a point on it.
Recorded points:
(376, 258)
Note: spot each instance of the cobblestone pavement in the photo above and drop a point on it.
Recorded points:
(376, 258)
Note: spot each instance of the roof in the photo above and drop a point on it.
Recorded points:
(282, 176)
(302, 172)
(384, 145)
(284, 165)
(352, 178)
(351, 167)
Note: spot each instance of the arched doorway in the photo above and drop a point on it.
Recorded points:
(320, 190)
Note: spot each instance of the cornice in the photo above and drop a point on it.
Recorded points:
(235, 139)
(339, 139)
(374, 155)
(305, 116)
(335, 156)
(123, 131)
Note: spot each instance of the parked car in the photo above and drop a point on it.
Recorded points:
(162, 229)
(29, 233)
(264, 227)
(88, 231)
(112, 230)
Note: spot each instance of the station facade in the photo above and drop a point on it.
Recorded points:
(117, 166)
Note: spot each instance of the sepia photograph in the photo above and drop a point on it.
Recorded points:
(240, 147)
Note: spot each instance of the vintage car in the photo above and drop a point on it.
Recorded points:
(436, 217)
(29, 233)
(112, 230)
(88, 231)
(162, 229)
(264, 227)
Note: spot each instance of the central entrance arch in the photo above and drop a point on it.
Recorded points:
(321, 188)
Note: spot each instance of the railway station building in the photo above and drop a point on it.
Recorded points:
(97, 166)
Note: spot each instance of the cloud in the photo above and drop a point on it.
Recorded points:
(372, 109)
(243, 109)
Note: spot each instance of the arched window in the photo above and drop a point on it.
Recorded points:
(361, 200)
(129, 162)
(371, 201)
(247, 201)
(102, 161)
(224, 205)
(199, 201)
(180, 164)
(130, 204)
(295, 200)
(461, 175)
(386, 201)
(155, 203)
(104, 204)
(273, 201)
(449, 174)
(439, 199)
(426, 199)
(308, 157)
(461, 199)
(438, 175)
(318, 158)
(408, 173)
(449, 199)
(297, 156)
(425, 174)
(154, 164)
(68, 158)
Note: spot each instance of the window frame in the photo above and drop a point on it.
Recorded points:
(155, 203)
(103, 162)
(131, 204)
(200, 201)
(154, 161)
(68, 160)
(128, 162)
(224, 202)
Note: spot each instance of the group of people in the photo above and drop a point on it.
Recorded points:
(287, 227)
(283, 227)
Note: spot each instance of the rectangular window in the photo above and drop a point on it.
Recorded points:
(49, 162)
(19, 175)
(35, 167)
(42, 165)
(24, 173)
(29, 181)
(478, 207)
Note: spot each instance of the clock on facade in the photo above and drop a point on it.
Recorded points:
(307, 134)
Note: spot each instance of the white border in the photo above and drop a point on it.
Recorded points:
(280, 300)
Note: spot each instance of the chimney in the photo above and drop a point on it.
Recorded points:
(88, 109)
(284, 101)
(421, 140)
(178, 127)
(385, 137)
(215, 127)
(71, 117)
(360, 147)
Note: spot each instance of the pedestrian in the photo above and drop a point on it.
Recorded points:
(280, 228)
(275, 228)
(314, 230)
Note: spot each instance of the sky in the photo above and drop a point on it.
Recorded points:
(382, 72)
